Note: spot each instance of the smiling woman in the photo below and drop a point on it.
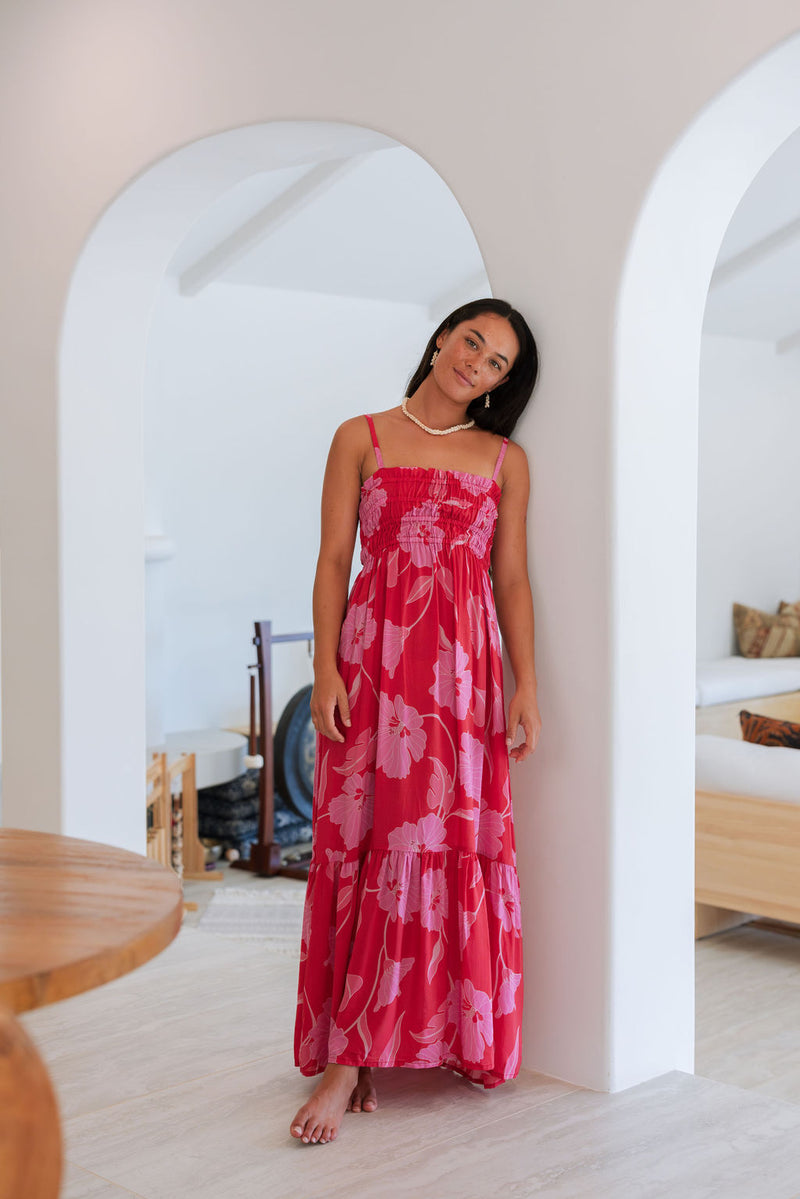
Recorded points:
(411, 951)
(512, 334)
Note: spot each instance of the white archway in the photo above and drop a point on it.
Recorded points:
(660, 311)
(103, 352)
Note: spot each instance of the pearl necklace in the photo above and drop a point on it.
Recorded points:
(435, 432)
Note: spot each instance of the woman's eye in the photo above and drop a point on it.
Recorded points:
(496, 365)
(471, 343)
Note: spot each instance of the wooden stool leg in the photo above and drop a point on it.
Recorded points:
(30, 1131)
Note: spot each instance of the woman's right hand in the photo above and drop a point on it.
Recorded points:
(328, 694)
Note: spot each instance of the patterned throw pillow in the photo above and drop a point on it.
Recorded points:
(790, 613)
(762, 635)
(766, 730)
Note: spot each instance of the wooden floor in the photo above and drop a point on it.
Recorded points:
(177, 1081)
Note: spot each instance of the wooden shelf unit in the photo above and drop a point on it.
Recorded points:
(171, 789)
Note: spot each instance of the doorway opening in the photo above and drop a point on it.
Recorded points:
(661, 305)
(248, 294)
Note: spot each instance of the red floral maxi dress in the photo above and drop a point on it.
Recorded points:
(411, 952)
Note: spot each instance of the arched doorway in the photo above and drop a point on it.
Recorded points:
(660, 310)
(109, 321)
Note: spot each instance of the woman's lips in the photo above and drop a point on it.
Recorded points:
(463, 378)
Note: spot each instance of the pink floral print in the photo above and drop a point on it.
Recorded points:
(398, 888)
(420, 535)
(452, 687)
(426, 836)
(358, 633)
(394, 638)
(352, 810)
(433, 902)
(473, 1016)
(401, 737)
(393, 975)
(470, 765)
(411, 950)
(370, 512)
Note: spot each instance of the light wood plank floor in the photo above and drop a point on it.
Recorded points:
(177, 1081)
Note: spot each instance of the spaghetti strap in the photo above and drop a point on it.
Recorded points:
(500, 458)
(376, 447)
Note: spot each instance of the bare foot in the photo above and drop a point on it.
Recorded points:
(363, 1098)
(319, 1119)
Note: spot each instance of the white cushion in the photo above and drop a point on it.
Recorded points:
(218, 753)
(743, 768)
(724, 680)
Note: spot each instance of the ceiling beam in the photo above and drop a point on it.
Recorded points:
(282, 209)
(773, 243)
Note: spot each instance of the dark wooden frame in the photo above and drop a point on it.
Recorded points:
(265, 855)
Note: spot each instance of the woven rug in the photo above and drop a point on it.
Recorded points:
(273, 916)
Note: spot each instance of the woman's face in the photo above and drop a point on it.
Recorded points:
(475, 356)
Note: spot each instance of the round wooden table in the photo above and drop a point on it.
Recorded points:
(73, 915)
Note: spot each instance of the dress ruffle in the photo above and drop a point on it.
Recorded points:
(423, 952)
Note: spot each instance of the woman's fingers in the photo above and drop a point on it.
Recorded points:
(327, 722)
(323, 712)
(511, 731)
(531, 727)
(330, 729)
(522, 751)
(344, 706)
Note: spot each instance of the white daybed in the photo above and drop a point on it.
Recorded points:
(747, 796)
(725, 685)
(747, 810)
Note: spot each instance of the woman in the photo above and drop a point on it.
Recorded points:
(411, 952)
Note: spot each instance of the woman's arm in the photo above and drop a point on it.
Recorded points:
(340, 496)
(512, 594)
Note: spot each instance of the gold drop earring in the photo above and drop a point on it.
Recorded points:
(486, 402)
(434, 356)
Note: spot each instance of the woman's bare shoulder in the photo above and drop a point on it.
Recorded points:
(352, 434)
(516, 458)
(515, 469)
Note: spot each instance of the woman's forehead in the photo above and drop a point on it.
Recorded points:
(495, 330)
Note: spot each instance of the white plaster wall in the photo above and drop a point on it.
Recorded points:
(748, 517)
(244, 389)
(550, 123)
(660, 311)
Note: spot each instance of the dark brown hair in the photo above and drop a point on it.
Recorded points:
(509, 399)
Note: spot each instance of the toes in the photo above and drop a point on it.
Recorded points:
(299, 1124)
(326, 1133)
(370, 1103)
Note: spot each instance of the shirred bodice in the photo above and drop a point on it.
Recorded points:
(427, 512)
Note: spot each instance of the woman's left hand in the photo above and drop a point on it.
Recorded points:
(523, 710)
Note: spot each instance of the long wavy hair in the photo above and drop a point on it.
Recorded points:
(509, 399)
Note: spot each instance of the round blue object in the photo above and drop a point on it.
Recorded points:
(295, 748)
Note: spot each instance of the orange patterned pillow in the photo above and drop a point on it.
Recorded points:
(766, 730)
(762, 635)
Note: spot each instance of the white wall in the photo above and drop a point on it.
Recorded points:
(748, 518)
(244, 389)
